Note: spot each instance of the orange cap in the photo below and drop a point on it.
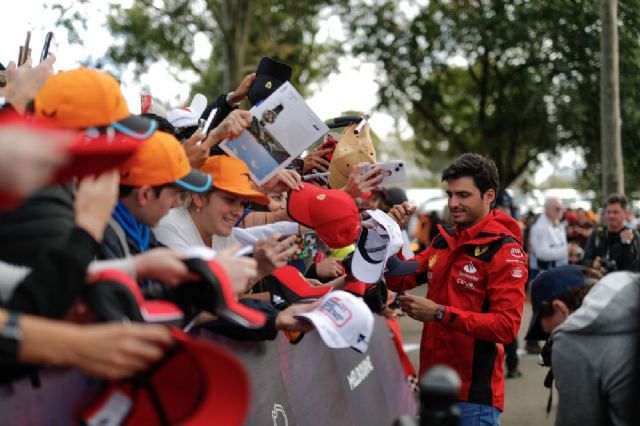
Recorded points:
(161, 160)
(85, 98)
(231, 175)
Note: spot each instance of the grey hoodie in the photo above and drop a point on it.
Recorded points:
(593, 354)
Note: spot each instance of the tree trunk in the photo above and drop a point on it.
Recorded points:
(611, 154)
(235, 31)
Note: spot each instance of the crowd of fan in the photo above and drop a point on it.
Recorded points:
(178, 191)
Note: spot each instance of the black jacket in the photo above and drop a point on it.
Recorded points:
(43, 222)
(608, 247)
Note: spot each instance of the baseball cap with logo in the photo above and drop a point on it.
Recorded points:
(231, 175)
(375, 245)
(162, 160)
(84, 98)
(188, 116)
(351, 150)
(196, 383)
(342, 320)
(549, 285)
(270, 75)
(331, 212)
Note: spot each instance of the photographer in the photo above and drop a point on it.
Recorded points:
(616, 247)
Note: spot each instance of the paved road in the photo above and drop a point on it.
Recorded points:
(526, 397)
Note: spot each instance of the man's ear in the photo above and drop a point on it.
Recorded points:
(144, 194)
(561, 307)
(490, 196)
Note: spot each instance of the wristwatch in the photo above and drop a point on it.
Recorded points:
(10, 338)
(439, 313)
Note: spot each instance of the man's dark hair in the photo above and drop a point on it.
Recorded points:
(617, 199)
(483, 171)
(572, 298)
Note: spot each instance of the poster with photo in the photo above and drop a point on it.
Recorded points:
(283, 127)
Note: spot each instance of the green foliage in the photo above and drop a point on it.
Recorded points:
(506, 78)
(241, 32)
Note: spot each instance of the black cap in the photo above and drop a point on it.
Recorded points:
(270, 75)
(550, 285)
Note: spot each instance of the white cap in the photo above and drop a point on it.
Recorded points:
(375, 246)
(343, 320)
(188, 116)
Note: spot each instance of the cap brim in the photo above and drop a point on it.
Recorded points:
(363, 267)
(195, 181)
(195, 381)
(136, 127)
(294, 288)
(397, 267)
(231, 308)
(253, 196)
(535, 331)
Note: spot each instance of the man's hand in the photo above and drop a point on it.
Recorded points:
(240, 270)
(24, 82)
(243, 89)
(329, 268)
(95, 200)
(626, 236)
(360, 183)
(30, 157)
(597, 263)
(234, 124)
(402, 213)
(162, 264)
(287, 321)
(197, 148)
(315, 160)
(418, 308)
(272, 254)
(114, 351)
(283, 181)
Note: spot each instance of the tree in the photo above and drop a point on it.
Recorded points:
(241, 32)
(506, 78)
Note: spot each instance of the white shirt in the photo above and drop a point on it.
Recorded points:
(548, 242)
(178, 232)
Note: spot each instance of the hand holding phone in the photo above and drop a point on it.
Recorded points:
(392, 171)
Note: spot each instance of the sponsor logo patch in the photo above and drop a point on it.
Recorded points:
(517, 273)
(470, 268)
(480, 250)
(516, 252)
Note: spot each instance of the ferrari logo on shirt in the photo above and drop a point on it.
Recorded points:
(432, 260)
(480, 250)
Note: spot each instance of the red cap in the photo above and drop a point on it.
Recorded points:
(295, 287)
(219, 295)
(108, 298)
(331, 212)
(196, 383)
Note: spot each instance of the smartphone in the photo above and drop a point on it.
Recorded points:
(45, 48)
(25, 50)
(393, 171)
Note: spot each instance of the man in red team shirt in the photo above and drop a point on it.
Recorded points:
(476, 271)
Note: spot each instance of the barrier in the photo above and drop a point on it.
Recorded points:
(303, 384)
